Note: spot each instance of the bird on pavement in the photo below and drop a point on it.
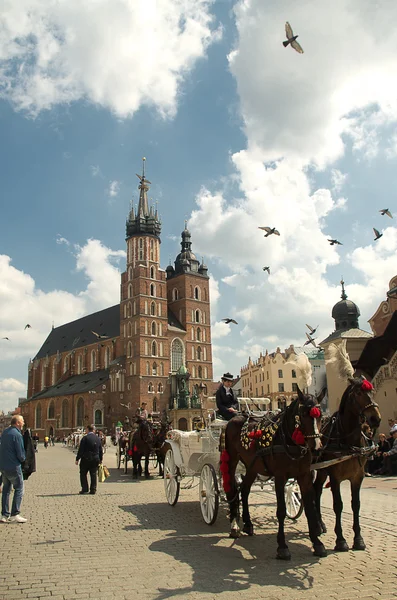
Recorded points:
(267, 269)
(333, 242)
(377, 234)
(5, 338)
(386, 211)
(310, 340)
(27, 326)
(99, 335)
(312, 329)
(291, 39)
(269, 231)
(227, 321)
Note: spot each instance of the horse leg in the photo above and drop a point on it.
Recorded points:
(358, 543)
(318, 490)
(245, 489)
(232, 496)
(160, 461)
(135, 465)
(309, 504)
(147, 473)
(341, 544)
(283, 552)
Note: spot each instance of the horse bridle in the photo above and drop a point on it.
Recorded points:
(371, 404)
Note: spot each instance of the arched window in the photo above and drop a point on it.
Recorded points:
(200, 372)
(140, 253)
(150, 388)
(198, 334)
(175, 294)
(38, 416)
(152, 289)
(152, 273)
(80, 413)
(197, 293)
(197, 316)
(51, 410)
(130, 290)
(98, 417)
(176, 354)
(153, 308)
(153, 328)
(154, 349)
(147, 368)
(66, 364)
(160, 388)
(93, 360)
(182, 424)
(54, 372)
(65, 414)
(151, 249)
(154, 369)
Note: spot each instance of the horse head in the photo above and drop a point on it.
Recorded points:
(308, 419)
(358, 397)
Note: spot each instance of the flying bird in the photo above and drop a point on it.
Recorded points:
(310, 340)
(269, 231)
(267, 269)
(312, 329)
(333, 242)
(100, 336)
(386, 211)
(377, 234)
(291, 39)
(27, 326)
(227, 321)
(5, 338)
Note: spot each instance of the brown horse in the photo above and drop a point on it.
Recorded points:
(342, 436)
(146, 439)
(281, 449)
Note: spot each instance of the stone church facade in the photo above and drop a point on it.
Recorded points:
(99, 368)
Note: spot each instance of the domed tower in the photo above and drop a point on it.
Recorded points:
(345, 313)
(143, 306)
(189, 301)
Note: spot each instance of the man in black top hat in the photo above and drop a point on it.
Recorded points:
(226, 400)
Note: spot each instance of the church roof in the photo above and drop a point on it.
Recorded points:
(378, 351)
(78, 384)
(355, 332)
(78, 333)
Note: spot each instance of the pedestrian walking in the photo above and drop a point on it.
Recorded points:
(12, 456)
(90, 455)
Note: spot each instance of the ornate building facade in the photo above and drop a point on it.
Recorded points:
(98, 369)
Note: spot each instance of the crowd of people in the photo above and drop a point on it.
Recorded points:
(384, 460)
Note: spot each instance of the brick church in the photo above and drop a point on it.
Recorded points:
(98, 369)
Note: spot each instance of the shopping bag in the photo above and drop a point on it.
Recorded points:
(106, 471)
(101, 473)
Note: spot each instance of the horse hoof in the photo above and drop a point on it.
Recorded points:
(283, 554)
(235, 533)
(341, 546)
(248, 529)
(359, 544)
(319, 550)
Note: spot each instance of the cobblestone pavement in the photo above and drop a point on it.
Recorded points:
(126, 542)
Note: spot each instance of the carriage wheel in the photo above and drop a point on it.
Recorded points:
(171, 478)
(293, 500)
(125, 461)
(118, 457)
(209, 494)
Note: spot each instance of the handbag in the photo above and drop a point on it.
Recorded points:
(106, 471)
(101, 473)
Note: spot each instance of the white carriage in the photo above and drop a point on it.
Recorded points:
(196, 454)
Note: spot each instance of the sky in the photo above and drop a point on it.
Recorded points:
(238, 132)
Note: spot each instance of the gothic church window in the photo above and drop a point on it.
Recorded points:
(199, 353)
(197, 293)
(80, 413)
(154, 369)
(152, 273)
(154, 349)
(153, 309)
(38, 416)
(197, 316)
(153, 328)
(93, 360)
(51, 410)
(140, 254)
(150, 388)
(151, 249)
(175, 294)
(198, 334)
(176, 354)
(65, 414)
(200, 372)
(152, 289)
(130, 290)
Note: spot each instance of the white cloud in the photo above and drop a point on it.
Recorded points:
(10, 390)
(115, 53)
(95, 171)
(338, 179)
(113, 189)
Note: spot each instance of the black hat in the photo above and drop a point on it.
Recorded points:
(227, 377)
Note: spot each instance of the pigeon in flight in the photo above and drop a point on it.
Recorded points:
(291, 39)
(27, 326)
(227, 321)
(269, 231)
(267, 269)
(333, 242)
(377, 234)
(312, 329)
(5, 338)
(386, 211)
(310, 340)
(99, 335)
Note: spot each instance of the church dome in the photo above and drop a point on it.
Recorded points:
(345, 312)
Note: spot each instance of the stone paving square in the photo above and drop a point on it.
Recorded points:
(126, 542)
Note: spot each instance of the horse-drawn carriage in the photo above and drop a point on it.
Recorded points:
(144, 441)
(196, 455)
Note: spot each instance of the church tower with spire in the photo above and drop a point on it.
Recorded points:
(143, 307)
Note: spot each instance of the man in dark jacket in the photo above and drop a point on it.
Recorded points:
(226, 400)
(29, 466)
(89, 455)
(12, 455)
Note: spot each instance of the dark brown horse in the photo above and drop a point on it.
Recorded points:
(281, 450)
(146, 439)
(342, 436)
